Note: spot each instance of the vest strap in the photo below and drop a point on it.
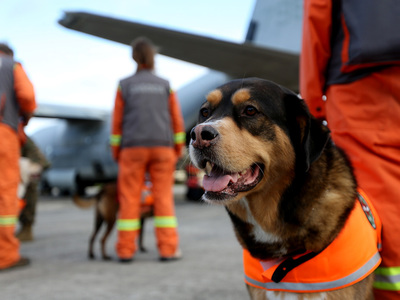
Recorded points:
(289, 264)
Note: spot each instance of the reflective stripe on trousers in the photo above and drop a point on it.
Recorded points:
(128, 224)
(134, 224)
(165, 222)
(8, 221)
(387, 278)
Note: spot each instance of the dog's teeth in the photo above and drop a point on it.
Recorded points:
(208, 168)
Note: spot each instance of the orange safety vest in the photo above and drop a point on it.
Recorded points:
(351, 257)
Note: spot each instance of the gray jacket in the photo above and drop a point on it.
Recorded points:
(9, 108)
(146, 119)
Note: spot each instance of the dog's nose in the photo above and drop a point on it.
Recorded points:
(203, 136)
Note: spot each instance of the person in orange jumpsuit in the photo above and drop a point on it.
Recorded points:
(17, 102)
(350, 76)
(147, 136)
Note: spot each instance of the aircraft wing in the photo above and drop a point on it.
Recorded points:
(236, 60)
(48, 110)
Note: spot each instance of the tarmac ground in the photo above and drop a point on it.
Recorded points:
(211, 267)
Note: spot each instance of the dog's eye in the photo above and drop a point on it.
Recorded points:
(204, 112)
(250, 110)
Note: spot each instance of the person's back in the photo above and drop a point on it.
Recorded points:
(147, 121)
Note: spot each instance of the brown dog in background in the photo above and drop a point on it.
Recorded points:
(106, 209)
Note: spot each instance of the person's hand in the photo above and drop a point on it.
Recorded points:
(115, 150)
(178, 150)
(24, 118)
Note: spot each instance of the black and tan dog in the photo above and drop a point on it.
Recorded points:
(287, 189)
(106, 209)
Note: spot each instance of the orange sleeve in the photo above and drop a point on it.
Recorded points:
(177, 123)
(315, 53)
(116, 125)
(24, 92)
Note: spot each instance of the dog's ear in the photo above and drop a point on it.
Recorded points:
(309, 135)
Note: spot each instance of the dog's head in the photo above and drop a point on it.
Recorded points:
(252, 135)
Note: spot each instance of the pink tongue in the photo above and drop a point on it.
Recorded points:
(216, 183)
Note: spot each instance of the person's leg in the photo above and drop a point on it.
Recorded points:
(27, 215)
(132, 168)
(364, 121)
(9, 179)
(161, 168)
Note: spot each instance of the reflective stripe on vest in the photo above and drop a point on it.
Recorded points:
(128, 224)
(165, 222)
(115, 139)
(387, 279)
(8, 220)
(351, 257)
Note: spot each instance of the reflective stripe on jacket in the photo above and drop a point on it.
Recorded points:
(351, 257)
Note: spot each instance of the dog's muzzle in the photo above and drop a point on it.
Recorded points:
(203, 136)
(219, 182)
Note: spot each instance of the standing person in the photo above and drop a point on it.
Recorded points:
(17, 101)
(350, 54)
(147, 135)
(27, 215)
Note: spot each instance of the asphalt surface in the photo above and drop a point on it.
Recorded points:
(211, 267)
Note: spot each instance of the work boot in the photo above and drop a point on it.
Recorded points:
(178, 255)
(23, 261)
(25, 234)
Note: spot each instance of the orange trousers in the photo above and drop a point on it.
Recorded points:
(9, 179)
(133, 163)
(364, 118)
